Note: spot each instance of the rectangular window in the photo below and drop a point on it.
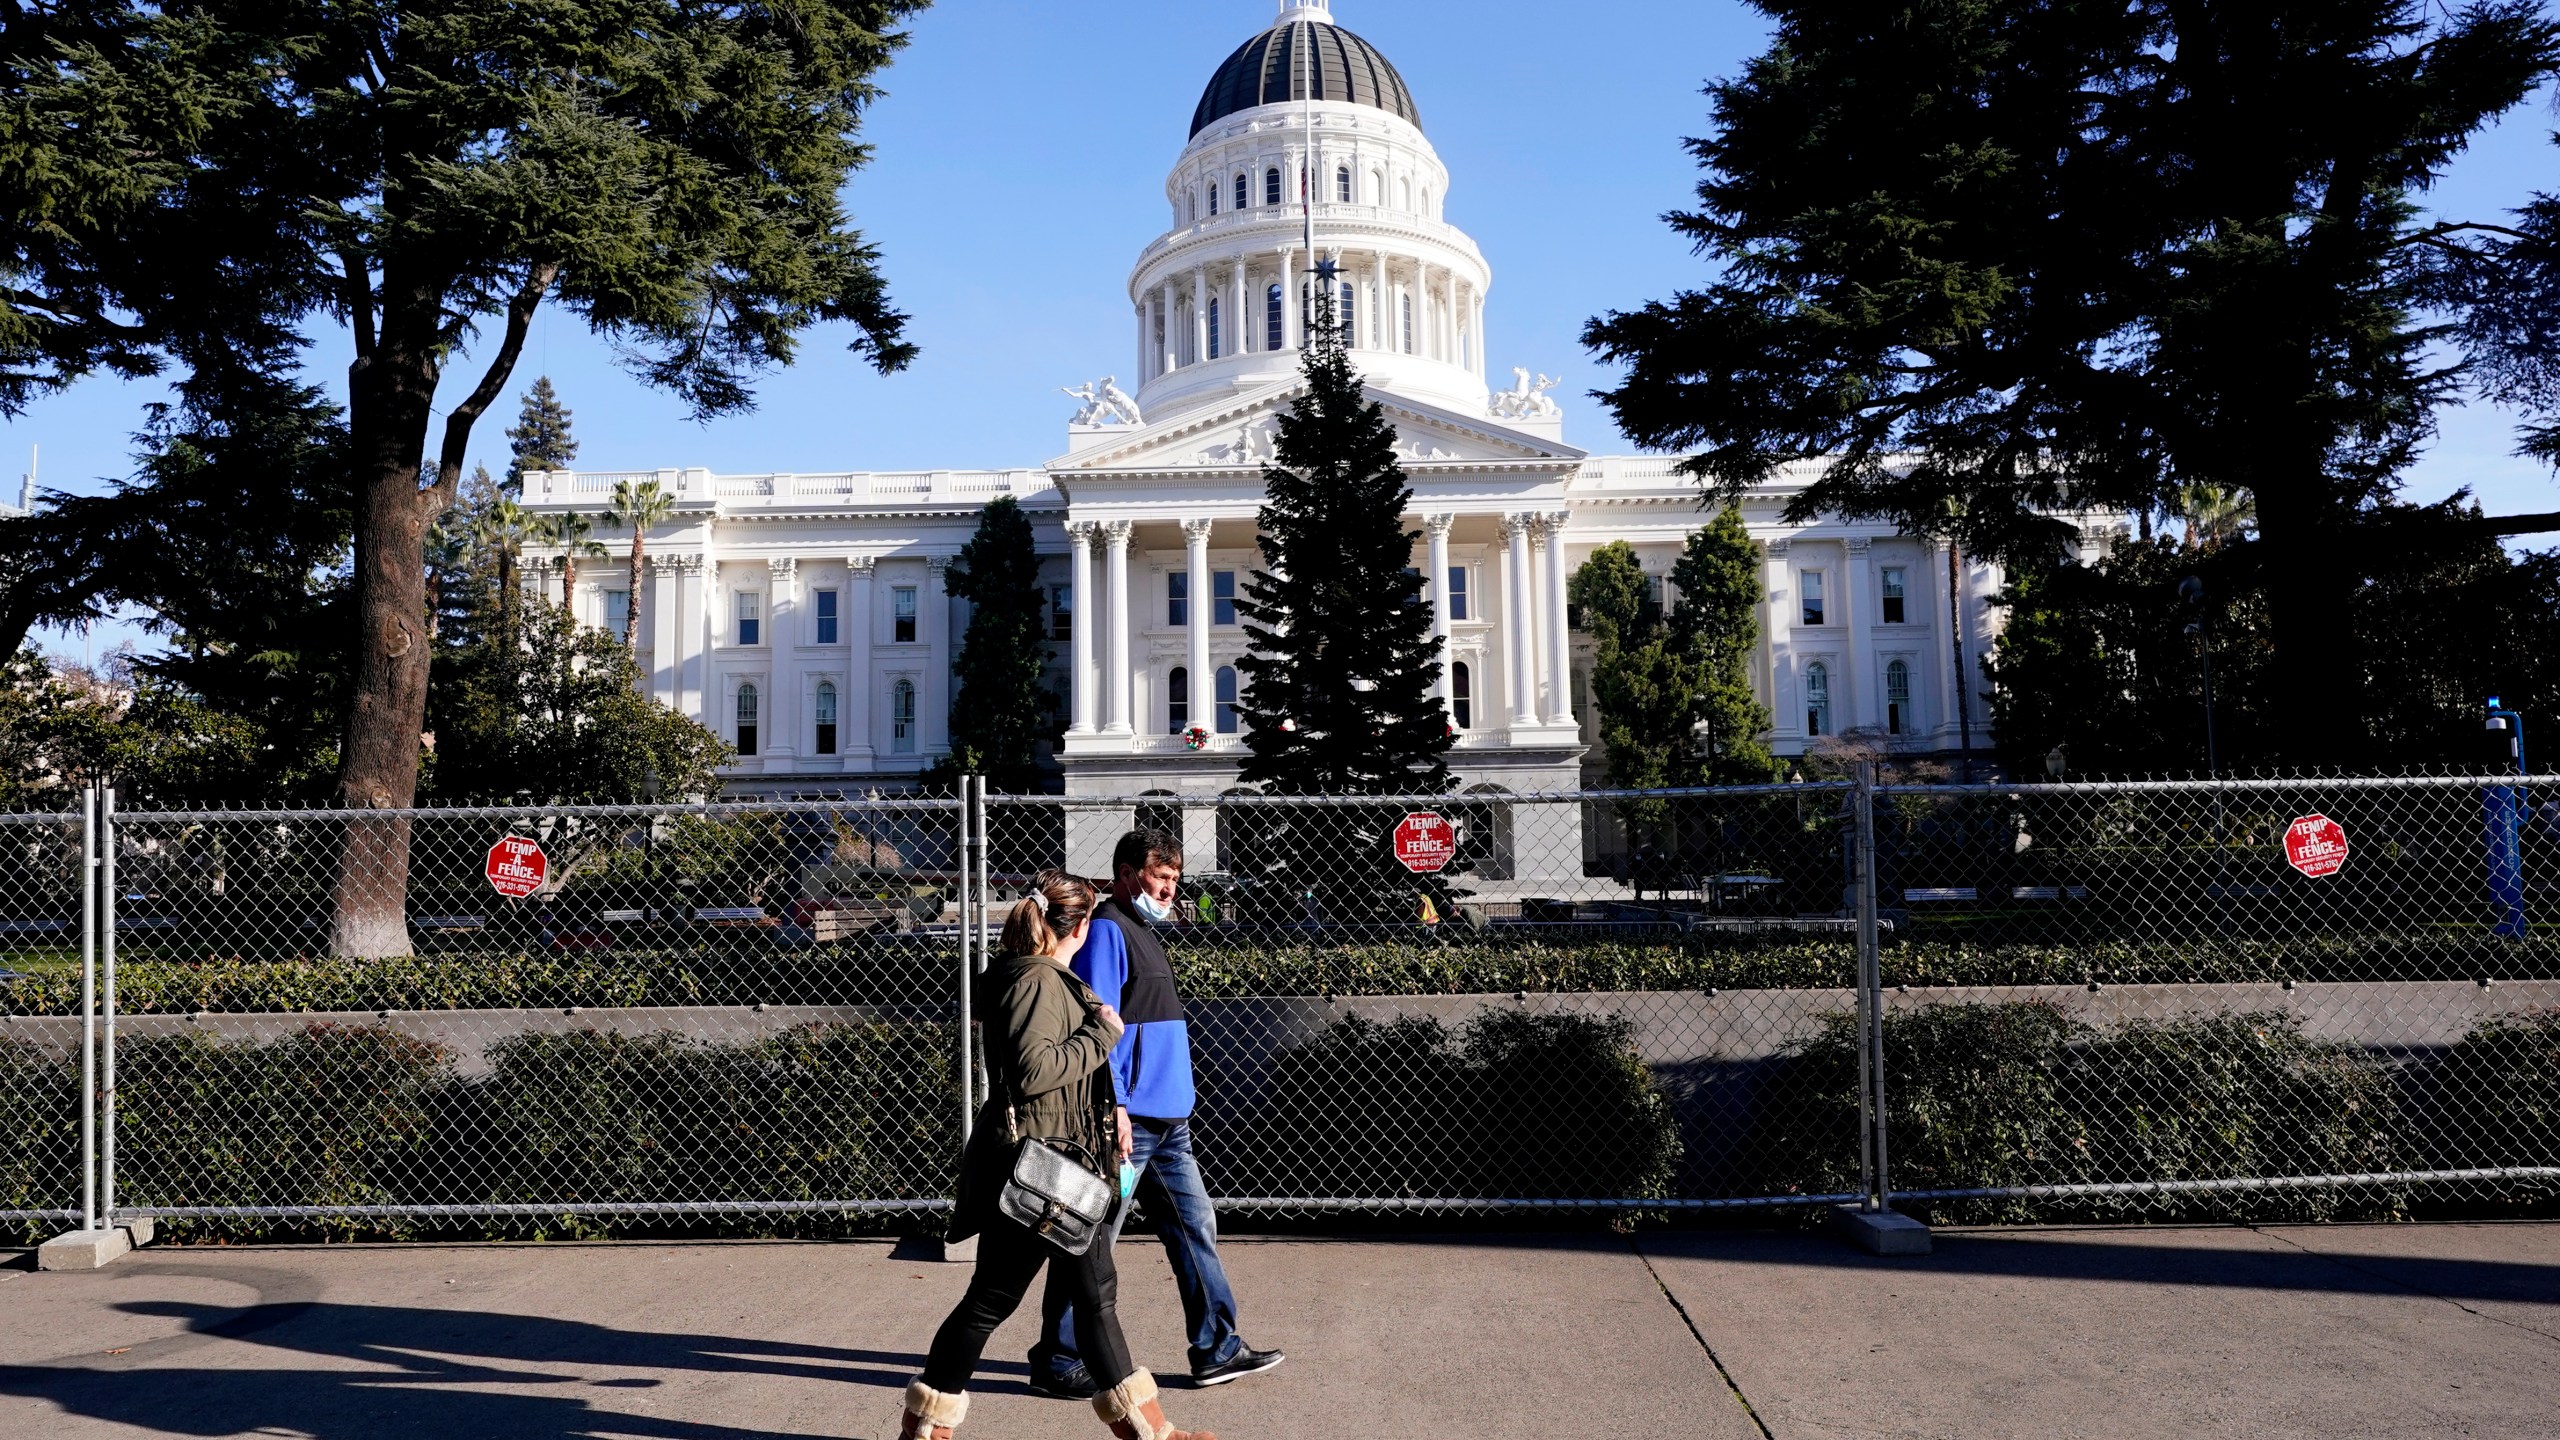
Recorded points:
(902, 610)
(829, 628)
(826, 717)
(1811, 581)
(1222, 597)
(1229, 722)
(617, 613)
(1216, 336)
(1894, 587)
(1275, 334)
(1062, 612)
(750, 618)
(1458, 592)
(1177, 701)
(1177, 600)
(902, 717)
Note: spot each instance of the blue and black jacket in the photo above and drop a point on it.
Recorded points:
(1124, 961)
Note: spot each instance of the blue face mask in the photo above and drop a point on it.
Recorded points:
(1156, 911)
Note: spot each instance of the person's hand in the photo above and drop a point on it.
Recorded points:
(1127, 1145)
(1110, 1017)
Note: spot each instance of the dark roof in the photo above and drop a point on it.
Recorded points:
(1269, 69)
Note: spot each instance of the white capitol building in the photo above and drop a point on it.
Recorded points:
(803, 617)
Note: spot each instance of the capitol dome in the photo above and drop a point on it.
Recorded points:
(1272, 69)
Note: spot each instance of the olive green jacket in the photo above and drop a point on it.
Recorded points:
(1047, 1048)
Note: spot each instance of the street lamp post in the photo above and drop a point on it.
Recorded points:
(2191, 590)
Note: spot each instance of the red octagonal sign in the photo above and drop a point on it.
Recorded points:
(2316, 845)
(517, 867)
(1425, 843)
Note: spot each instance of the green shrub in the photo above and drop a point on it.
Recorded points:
(329, 1116)
(2495, 1098)
(1990, 1096)
(39, 1137)
(1511, 1105)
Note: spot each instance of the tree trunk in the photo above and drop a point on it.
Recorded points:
(632, 613)
(389, 398)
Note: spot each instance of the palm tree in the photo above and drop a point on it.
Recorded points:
(2215, 514)
(502, 530)
(636, 508)
(571, 533)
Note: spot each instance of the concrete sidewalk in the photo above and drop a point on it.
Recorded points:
(2353, 1331)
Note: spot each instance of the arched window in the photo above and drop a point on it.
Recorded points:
(1217, 339)
(825, 707)
(1462, 692)
(902, 718)
(1244, 194)
(1342, 184)
(1227, 720)
(1408, 323)
(1213, 197)
(1405, 193)
(1817, 699)
(1897, 697)
(1377, 186)
(747, 714)
(1271, 186)
(1275, 334)
(1177, 701)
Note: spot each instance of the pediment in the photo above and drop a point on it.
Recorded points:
(1241, 433)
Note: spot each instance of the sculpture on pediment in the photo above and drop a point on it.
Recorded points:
(1528, 399)
(1256, 443)
(1103, 402)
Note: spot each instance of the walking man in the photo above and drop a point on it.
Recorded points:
(1124, 961)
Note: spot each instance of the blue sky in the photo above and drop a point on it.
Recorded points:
(1022, 152)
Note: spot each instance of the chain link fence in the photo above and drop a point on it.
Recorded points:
(2296, 998)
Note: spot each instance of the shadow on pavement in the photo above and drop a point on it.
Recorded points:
(2142, 1257)
(397, 1364)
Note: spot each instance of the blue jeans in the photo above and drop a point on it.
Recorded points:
(1169, 1182)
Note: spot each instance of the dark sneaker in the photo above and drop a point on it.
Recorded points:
(1075, 1384)
(1246, 1361)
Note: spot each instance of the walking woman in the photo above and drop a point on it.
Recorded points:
(1048, 1042)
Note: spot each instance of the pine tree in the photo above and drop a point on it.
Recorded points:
(1340, 689)
(1644, 689)
(541, 438)
(1715, 630)
(1001, 710)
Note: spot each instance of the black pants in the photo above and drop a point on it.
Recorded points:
(1009, 1259)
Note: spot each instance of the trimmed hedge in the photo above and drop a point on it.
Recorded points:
(1509, 1105)
(39, 1138)
(910, 971)
(1994, 1095)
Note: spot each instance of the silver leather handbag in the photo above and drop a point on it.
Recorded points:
(1054, 1193)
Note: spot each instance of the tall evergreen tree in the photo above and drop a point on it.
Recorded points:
(2009, 259)
(1001, 710)
(1645, 690)
(1340, 685)
(1715, 629)
(543, 437)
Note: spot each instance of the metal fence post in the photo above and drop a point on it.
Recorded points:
(1873, 1164)
(968, 972)
(107, 947)
(89, 1009)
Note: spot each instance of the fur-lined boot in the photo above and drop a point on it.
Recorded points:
(931, 1415)
(1130, 1409)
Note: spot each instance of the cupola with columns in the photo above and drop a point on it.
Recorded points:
(1308, 122)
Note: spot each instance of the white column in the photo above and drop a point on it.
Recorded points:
(1519, 617)
(701, 581)
(1789, 720)
(933, 627)
(1199, 314)
(1292, 324)
(1436, 527)
(1240, 315)
(1376, 300)
(1116, 681)
(1087, 615)
(1853, 613)
(1559, 707)
(857, 741)
(1204, 682)
(782, 727)
(666, 631)
(1146, 361)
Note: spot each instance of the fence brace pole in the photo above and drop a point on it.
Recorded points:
(1873, 1163)
(107, 946)
(968, 972)
(89, 1009)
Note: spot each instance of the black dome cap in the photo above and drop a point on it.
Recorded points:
(1269, 70)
